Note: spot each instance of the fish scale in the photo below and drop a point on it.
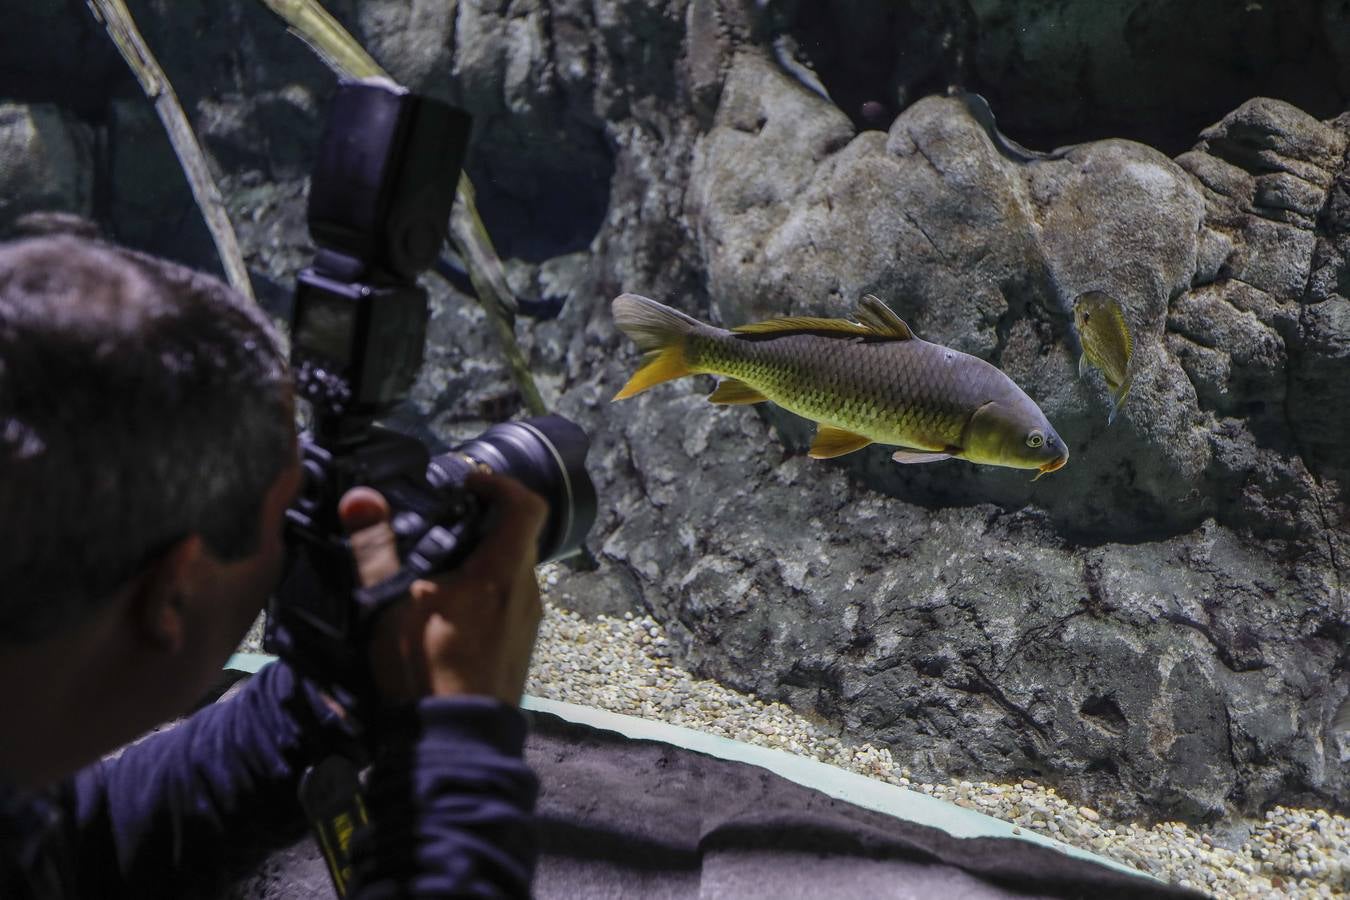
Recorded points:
(902, 392)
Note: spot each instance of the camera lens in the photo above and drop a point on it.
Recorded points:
(548, 455)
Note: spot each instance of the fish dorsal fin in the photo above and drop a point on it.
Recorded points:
(799, 324)
(831, 442)
(881, 319)
(875, 320)
(1119, 315)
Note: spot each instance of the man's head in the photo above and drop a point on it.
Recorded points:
(147, 454)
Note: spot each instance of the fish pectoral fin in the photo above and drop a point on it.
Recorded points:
(731, 390)
(831, 442)
(907, 456)
(1082, 365)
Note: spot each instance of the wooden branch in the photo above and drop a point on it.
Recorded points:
(116, 19)
(333, 44)
(489, 281)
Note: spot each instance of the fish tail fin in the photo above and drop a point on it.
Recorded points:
(1120, 401)
(661, 333)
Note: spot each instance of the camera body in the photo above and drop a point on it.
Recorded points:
(379, 204)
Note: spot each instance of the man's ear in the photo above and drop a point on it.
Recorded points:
(158, 606)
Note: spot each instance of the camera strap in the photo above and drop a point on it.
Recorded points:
(374, 599)
(429, 556)
(330, 794)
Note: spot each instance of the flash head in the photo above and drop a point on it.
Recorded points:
(384, 180)
(379, 205)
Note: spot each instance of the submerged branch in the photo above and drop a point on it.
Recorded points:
(116, 19)
(489, 285)
(309, 21)
(332, 43)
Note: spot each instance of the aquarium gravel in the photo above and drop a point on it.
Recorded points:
(623, 665)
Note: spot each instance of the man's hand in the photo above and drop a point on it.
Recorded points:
(468, 631)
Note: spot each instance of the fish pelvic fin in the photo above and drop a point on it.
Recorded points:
(1119, 402)
(908, 457)
(831, 442)
(660, 333)
(730, 390)
(1082, 365)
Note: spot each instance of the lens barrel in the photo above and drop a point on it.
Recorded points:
(545, 453)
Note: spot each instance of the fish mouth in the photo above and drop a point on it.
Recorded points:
(1053, 465)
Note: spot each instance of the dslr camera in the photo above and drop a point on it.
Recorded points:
(380, 199)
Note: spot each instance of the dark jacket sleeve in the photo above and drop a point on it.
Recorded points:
(168, 809)
(450, 802)
(449, 797)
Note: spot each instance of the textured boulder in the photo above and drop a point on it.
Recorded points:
(1064, 650)
(1191, 669)
(978, 252)
(1074, 70)
(46, 161)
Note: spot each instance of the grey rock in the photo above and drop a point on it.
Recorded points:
(412, 41)
(46, 161)
(56, 53)
(1075, 71)
(242, 56)
(149, 199)
(609, 592)
(975, 251)
(1020, 637)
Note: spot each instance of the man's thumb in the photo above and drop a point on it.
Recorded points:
(365, 516)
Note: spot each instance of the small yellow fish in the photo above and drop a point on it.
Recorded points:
(862, 382)
(1107, 344)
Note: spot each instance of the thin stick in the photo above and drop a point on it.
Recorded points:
(116, 19)
(327, 38)
(489, 283)
(332, 43)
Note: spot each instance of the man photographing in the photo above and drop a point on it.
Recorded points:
(147, 458)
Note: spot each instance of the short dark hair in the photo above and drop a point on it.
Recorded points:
(140, 402)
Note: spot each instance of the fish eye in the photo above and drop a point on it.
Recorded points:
(1036, 438)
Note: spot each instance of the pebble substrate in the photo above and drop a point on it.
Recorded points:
(623, 665)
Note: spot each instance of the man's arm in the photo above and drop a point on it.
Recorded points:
(449, 788)
(450, 799)
(171, 806)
